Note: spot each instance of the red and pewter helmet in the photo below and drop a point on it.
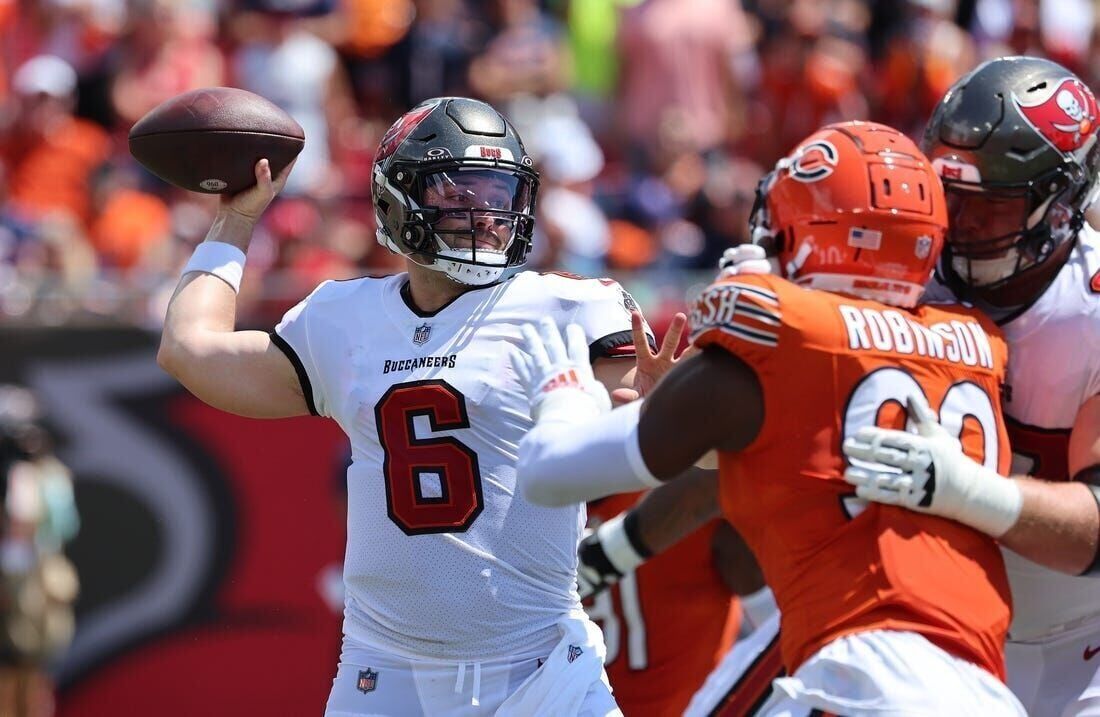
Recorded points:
(454, 147)
(856, 209)
(1015, 143)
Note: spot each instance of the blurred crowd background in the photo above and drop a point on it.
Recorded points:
(650, 121)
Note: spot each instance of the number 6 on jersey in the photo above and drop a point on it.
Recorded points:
(410, 462)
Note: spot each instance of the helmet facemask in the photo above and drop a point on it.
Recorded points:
(998, 233)
(1015, 143)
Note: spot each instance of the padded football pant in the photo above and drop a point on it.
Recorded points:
(399, 687)
(1059, 675)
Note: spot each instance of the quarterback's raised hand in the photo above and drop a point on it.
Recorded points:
(928, 472)
(250, 203)
(557, 375)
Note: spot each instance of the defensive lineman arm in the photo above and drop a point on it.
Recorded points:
(243, 372)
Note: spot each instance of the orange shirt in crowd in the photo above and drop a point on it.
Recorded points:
(131, 222)
(55, 172)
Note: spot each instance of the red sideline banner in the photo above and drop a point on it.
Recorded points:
(208, 542)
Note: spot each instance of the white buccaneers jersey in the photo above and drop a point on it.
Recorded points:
(445, 559)
(1053, 368)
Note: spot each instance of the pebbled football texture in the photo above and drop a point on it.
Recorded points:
(209, 140)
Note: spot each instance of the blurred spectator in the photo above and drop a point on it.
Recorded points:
(373, 26)
(51, 155)
(572, 231)
(167, 50)
(433, 58)
(130, 223)
(922, 62)
(678, 61)
(812, 70)
(593, 27)
(37, 582)
(526, 57)
(281, 59)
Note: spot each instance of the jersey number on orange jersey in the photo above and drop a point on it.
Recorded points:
(433, 485)
(966, 411)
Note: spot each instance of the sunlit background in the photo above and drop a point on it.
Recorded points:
(209, 545)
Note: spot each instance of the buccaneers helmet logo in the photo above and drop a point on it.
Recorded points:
(1066, 118)
(814, 161)
(402, 128)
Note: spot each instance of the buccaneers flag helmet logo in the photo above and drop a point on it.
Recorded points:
(402, 128)
(1065, 118)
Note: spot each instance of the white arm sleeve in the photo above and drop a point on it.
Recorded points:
(563, 464)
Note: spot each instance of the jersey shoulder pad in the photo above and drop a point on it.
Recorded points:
(600, 306)
(573, 287)
(737, 312)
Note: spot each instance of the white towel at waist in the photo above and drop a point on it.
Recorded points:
(558, 687)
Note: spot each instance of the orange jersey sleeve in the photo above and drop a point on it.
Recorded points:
(667, 625)
(830, 365)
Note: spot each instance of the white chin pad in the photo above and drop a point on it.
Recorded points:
(490, 266)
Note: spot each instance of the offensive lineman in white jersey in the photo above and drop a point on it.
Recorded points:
(1015, 142)
(460, 593)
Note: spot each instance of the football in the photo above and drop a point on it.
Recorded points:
(209, 140)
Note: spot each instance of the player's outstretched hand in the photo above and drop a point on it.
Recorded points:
(557, 375)
(651, 366)
(251, 203)
(928, 472)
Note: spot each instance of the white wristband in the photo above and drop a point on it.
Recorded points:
(991, 503)
(617, 547)
(223, 260)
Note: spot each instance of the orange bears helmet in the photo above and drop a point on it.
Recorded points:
(856, 209)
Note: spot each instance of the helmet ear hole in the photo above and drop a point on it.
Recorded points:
(414, 235)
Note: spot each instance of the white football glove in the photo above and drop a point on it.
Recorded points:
(929, 473)
(744, 259)
(557, 375)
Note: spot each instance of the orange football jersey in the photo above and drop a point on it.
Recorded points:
(667, 625)
(829, 365)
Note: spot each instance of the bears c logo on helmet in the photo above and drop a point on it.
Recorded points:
(814, 161)
(1065, 118)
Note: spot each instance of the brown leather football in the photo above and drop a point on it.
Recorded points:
(209, 140)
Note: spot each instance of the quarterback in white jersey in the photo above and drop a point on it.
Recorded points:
(460, 594)
(445, 560)
(1015, 142)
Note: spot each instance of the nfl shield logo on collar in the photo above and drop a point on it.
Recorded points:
(574, 653)
(368, 680)
(422, 334)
